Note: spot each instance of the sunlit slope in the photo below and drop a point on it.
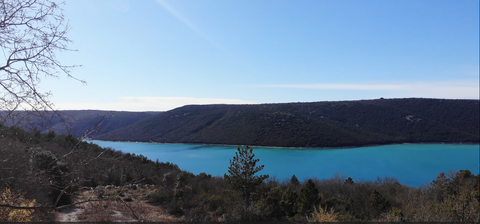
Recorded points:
(317, 124)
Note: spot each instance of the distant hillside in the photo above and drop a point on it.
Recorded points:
(98, 122)
(82, 122)
(317, 124)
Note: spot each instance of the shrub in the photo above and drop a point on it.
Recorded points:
(15, 215)
(322, 215)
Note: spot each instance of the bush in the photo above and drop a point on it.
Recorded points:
(15, 215)
(322, 215)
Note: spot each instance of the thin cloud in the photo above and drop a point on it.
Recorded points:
(457, 89)
(187, 22)
(148, 103)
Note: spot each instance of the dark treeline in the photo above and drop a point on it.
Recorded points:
(316, 124)
(52, 169)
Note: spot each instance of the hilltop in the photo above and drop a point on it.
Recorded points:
(315, 124)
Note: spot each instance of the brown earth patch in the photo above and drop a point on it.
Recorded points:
(114, 205)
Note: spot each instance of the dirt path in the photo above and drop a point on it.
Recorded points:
(119, 206)
(69, 215)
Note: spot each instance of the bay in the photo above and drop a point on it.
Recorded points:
(412, 164)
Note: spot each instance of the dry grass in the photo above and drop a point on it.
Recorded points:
(322, 215)
(115, 205)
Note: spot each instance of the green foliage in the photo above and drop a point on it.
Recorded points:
(287, 202)
(270, 205)
(308, 198)
(242, 173)
(333, 202)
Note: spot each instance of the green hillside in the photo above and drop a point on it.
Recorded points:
(316, 124)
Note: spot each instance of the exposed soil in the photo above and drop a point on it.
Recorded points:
(114, 205)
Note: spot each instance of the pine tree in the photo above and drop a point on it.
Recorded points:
(288, 202)
(294, 181)
(349, 181)
(242, 172)
(269, 206)
(308, 198)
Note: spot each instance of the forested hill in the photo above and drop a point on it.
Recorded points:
(85, 123)
(96, 122)
(317, 124)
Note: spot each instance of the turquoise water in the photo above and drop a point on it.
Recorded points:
(411, 164)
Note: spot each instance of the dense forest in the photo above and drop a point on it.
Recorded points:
(45, 172)
(316, 124)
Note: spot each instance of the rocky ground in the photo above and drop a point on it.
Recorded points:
(114, 204)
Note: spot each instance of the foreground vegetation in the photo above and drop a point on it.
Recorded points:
(45, 172)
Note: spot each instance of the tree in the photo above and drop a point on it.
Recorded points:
(378, 203)
(349, 181)
(308, 198)
(31, 33)
(294, 181)
(242, 172)
(288, 202)
(269, 205)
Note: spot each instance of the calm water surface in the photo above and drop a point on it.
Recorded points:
(411, 164)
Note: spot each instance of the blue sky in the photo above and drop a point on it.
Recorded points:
(158, 55)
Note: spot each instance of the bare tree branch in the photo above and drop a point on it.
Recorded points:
(32, 32)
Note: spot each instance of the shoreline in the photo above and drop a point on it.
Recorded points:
(282, 147)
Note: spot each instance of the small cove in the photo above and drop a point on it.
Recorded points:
(412, 164)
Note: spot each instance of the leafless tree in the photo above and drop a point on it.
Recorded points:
(32, 32)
